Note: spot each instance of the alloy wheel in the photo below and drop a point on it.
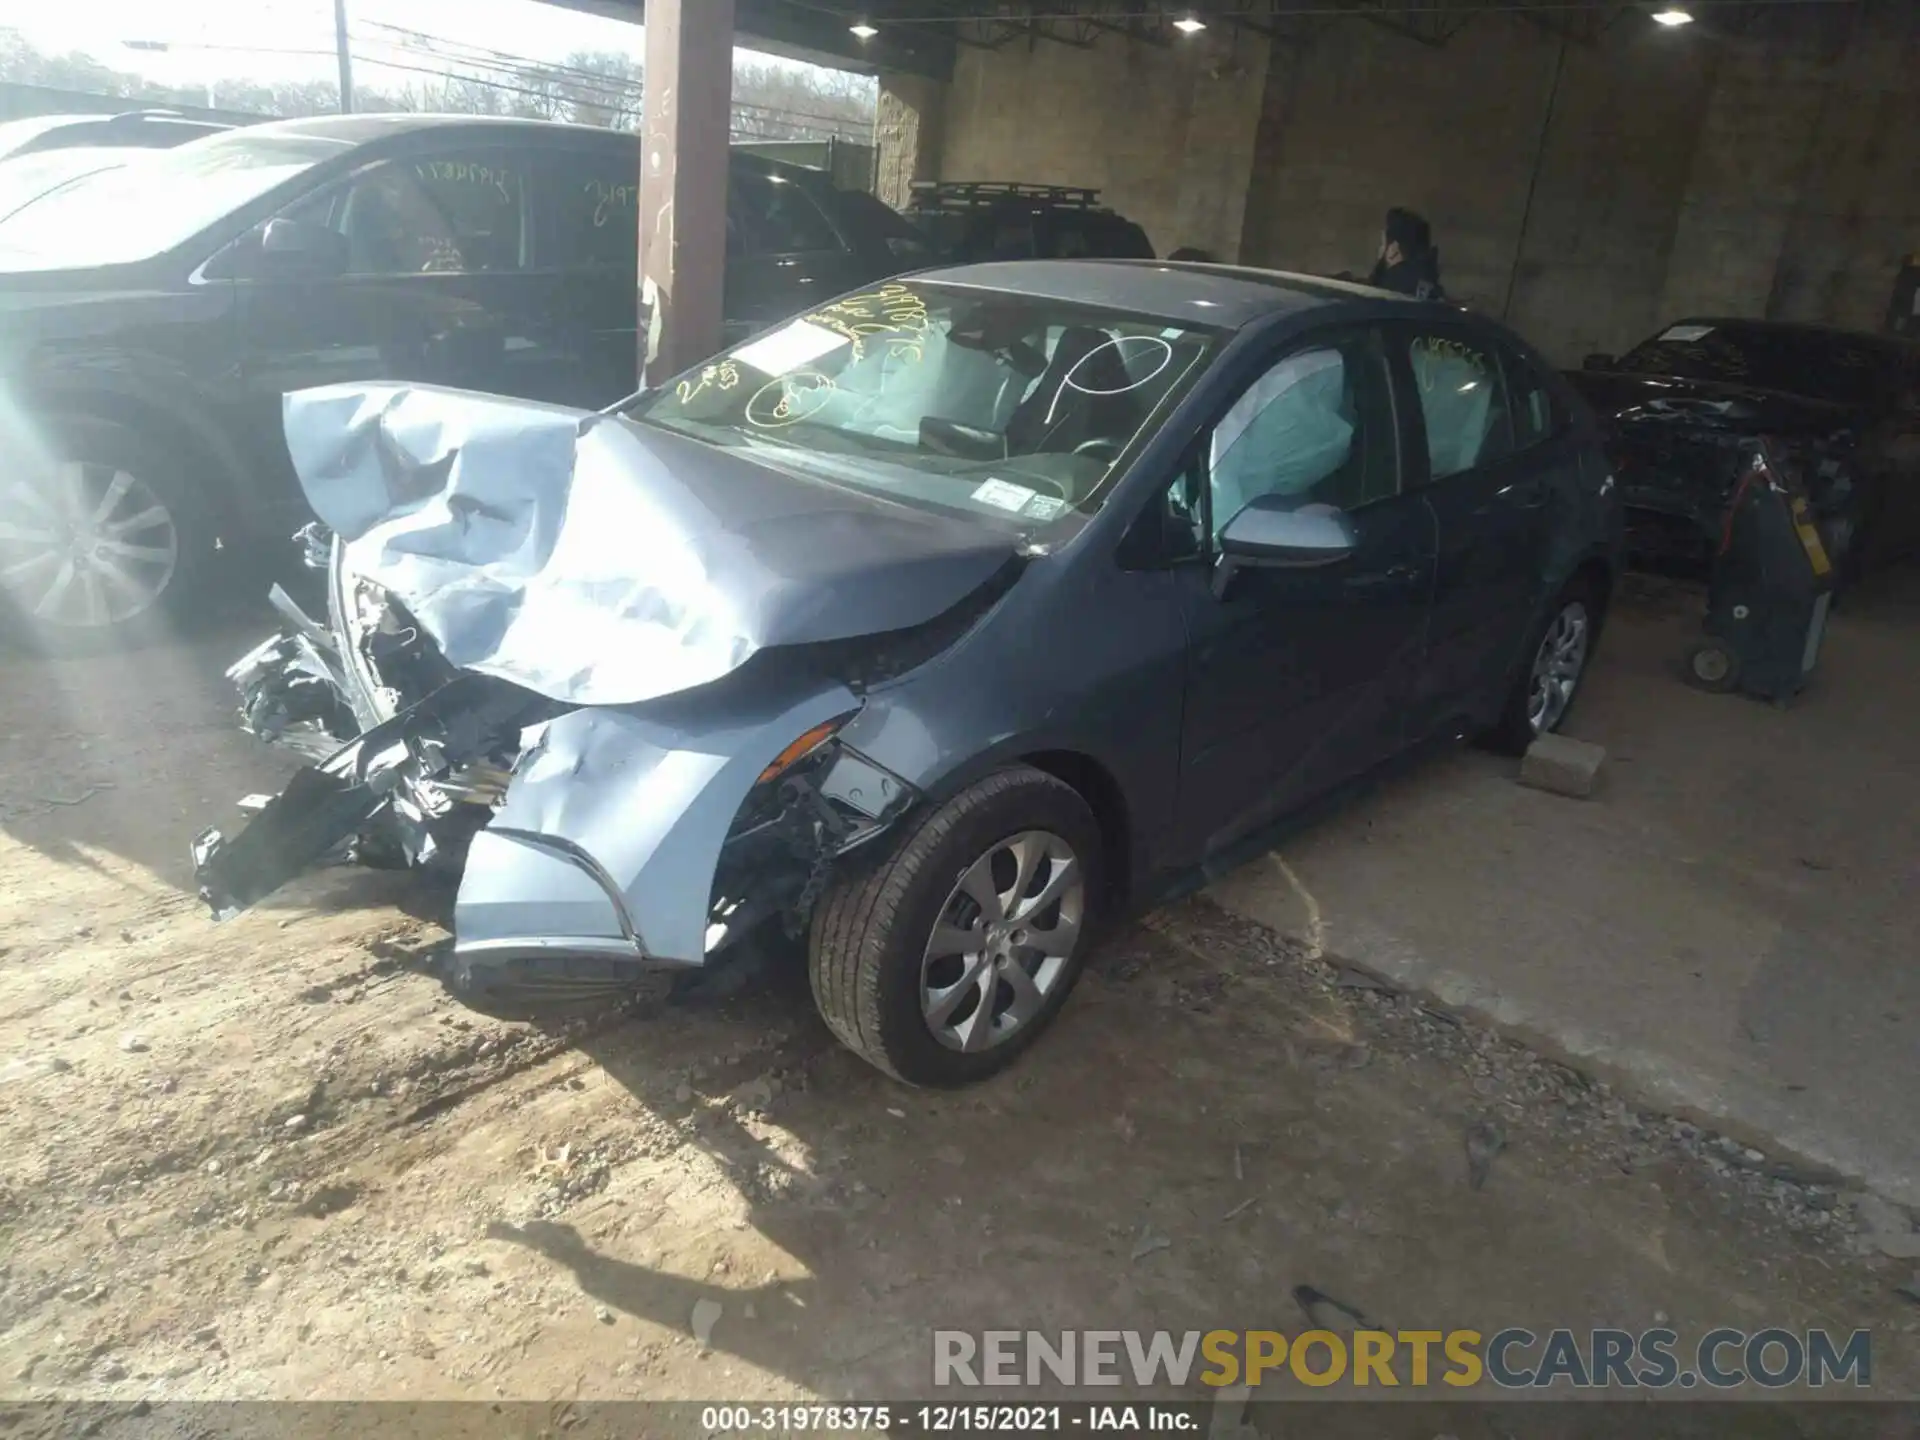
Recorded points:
(93, 546)
(1557, 665)
(1003, 941)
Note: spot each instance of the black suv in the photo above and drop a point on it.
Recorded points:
(969, 220)
(152, 317)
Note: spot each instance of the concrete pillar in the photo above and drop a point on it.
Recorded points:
(1750, 162)
(909, 133)
(683, 181)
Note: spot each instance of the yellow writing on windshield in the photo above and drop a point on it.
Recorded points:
(723, 376)
(893, 314)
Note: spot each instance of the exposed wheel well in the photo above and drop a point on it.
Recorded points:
(1109, 805)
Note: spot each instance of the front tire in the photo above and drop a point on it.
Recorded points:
(944, 960)
(103, 546)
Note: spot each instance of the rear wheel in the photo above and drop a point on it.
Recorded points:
(1544, 691)
(946, 959)
(102, 543)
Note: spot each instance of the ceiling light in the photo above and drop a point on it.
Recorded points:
(1672, 16)
(860, 30)
(1189, 25)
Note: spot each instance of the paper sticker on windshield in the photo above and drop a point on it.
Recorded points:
(1002, 495)
(789, 347)
(1687, 334)
(1045, 507)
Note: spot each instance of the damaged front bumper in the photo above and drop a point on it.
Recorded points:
(592, 843)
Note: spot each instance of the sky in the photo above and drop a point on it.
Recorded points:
(213, 39)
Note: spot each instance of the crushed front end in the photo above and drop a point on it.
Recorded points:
(593, 844)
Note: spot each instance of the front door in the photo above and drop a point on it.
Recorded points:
(438, 288)
(1298, 678)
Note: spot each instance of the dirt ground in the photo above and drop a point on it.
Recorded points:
(272, 1159)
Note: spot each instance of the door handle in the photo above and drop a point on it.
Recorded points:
(1392, 577)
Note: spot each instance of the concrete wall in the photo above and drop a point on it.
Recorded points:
(1165, 132)
(1772, 174)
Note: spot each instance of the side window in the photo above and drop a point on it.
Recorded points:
(1535, 416)
(1317, 428)
(431, 215)
(589, 211)
(1461, 403)
(771, 215)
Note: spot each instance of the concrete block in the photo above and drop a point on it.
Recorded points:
(1563, 766)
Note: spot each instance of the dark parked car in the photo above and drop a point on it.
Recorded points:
(1844, 407)
(133, 129)
(977, 220)
(945, 619)
(152, 316)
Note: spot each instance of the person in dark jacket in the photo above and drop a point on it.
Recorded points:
(1409, 260)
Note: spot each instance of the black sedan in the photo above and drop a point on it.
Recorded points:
(944, 620)
(1845, 406)
(152, 315)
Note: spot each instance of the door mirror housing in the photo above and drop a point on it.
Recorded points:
(299, 247)
(1599, 360)
(1275, 533)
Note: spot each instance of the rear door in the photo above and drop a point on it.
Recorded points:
(1492, 505)
(586, 219)
(1298, 678)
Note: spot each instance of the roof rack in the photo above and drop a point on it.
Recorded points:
(970, 194)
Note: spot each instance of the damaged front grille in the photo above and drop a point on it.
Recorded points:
(376, 799)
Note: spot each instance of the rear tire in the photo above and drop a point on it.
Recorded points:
(152, 542)
(1562, 643)
(942, 961)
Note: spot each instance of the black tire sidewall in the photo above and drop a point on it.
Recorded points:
(1041, 803)
(107, 442)
(1513, 732)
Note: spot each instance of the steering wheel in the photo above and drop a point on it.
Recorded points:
(1100, 448)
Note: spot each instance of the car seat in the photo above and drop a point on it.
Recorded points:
(1099, 404)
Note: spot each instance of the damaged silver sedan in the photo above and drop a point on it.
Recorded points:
(937, 623)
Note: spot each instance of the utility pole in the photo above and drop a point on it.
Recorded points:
(345, 55)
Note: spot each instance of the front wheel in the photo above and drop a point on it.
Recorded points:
(101, 542)
(1544, 691)
(947, 958)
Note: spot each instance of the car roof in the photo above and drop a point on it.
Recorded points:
(1227, 296)
(365, 129)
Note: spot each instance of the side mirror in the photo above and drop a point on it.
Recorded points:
(1598, 361)
(298, 247)
(1271, 533)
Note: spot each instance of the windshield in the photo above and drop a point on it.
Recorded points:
(26, 178)
(1014, 406)
(1836, 368)
(125, 215)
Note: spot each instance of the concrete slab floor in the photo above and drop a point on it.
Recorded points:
(1727, 931)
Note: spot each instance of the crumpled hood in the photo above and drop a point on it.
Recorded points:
(600, 562)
